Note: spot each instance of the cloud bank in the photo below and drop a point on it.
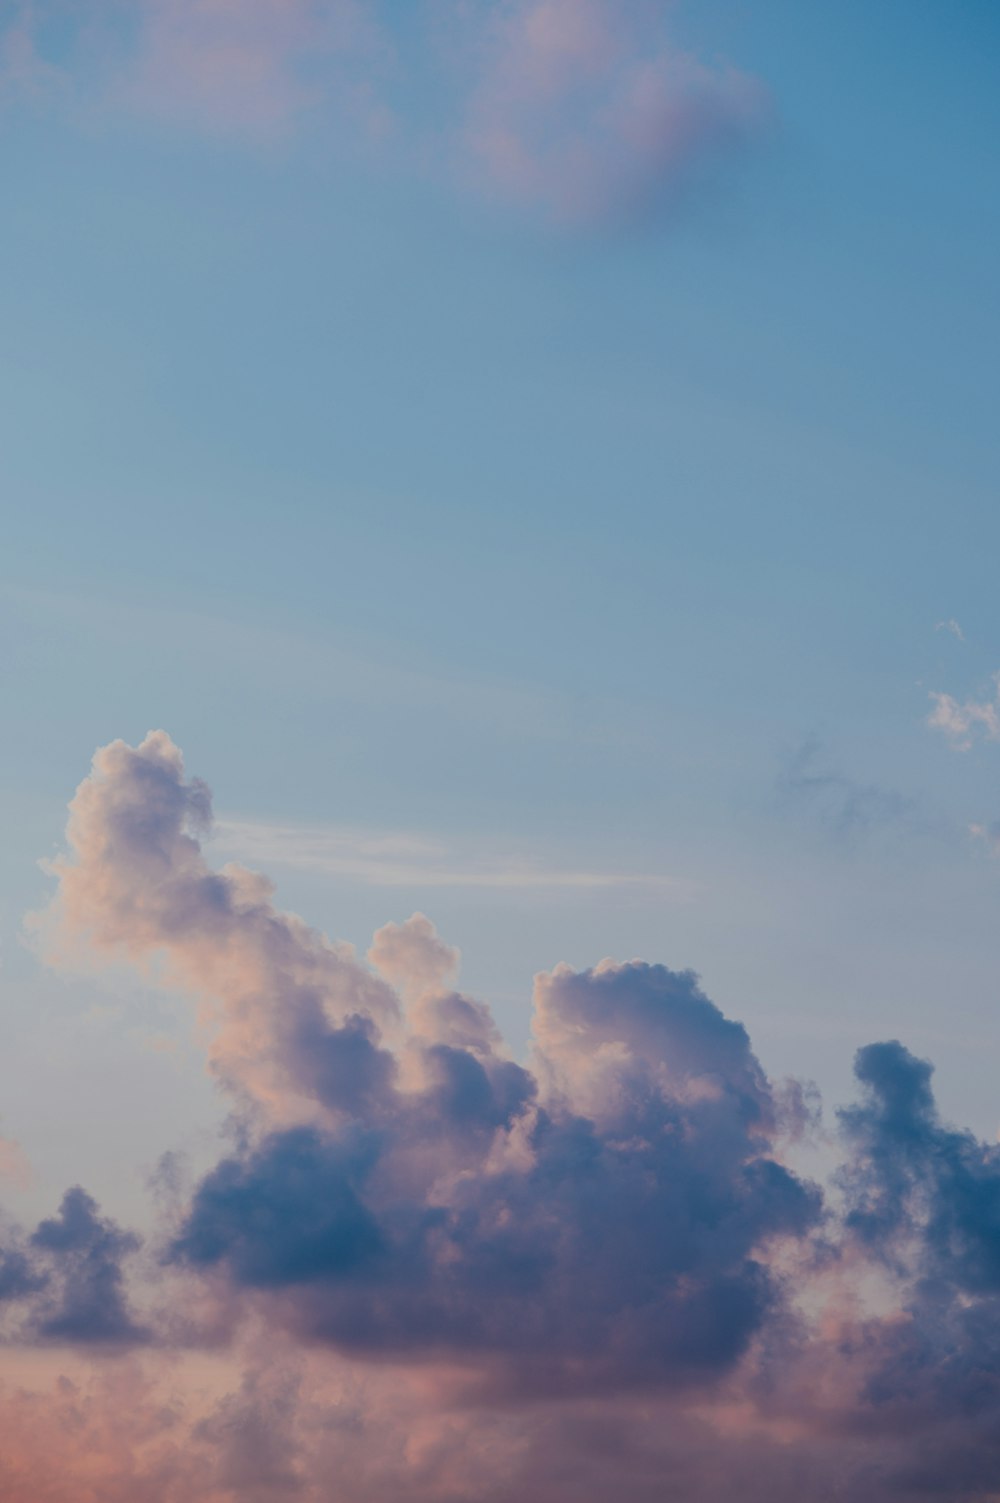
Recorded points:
(583, 110)
(423, 1270)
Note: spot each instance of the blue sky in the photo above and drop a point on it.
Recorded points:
(611, 548)
(535, 460)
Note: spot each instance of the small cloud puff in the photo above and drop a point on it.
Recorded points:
(962, 721)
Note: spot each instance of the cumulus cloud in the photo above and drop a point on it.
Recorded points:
(582, 109)
(413, 957)
(447, 1274)
(411, 1188)
(288, 1010)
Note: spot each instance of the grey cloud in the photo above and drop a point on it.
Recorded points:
(86, 1253)
(619, 1249)
(843, 804)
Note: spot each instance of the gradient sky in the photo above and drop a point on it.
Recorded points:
(538, 461)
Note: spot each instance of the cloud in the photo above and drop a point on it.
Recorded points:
(589, 110)
(412, 957)
(989, 834)
(88, 1251)
(583, 110)
(256, 66)
(841, 802)
(962, 722)
(14, 1166)
(923, 1194)
(480, 1213)
(437, 1273)
(286, 1425)
(65, 1283)
(951, 625)
(380, 858)
(137, 885)
(925, 1198)
(413, 1189)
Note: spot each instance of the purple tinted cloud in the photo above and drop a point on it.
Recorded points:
(87, 1251)
(589, 110)
(583, 110)
(66, 1283)
(446, 1274)
(595, 1219)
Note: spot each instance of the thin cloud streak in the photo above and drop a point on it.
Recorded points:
(387, 859)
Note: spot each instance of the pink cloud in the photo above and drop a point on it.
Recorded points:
(252, 69)
(137, 885)
(587, 109)
(241, 65)
(383, 1138)
(15, 1169)
(412, 957)
(582, 110)
(434, 1274)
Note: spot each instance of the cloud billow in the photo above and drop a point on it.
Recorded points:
(409, 1188)
(608, 1251)
(591, 1270)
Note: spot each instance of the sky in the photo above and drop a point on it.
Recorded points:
(518, 477)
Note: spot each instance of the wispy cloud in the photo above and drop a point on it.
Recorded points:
(320, 666)
(951, 625)
(589, 108)
(843, 803)
(582, 110)
(989, 834)
(403, 859)
(24, 72)
(251, 68)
